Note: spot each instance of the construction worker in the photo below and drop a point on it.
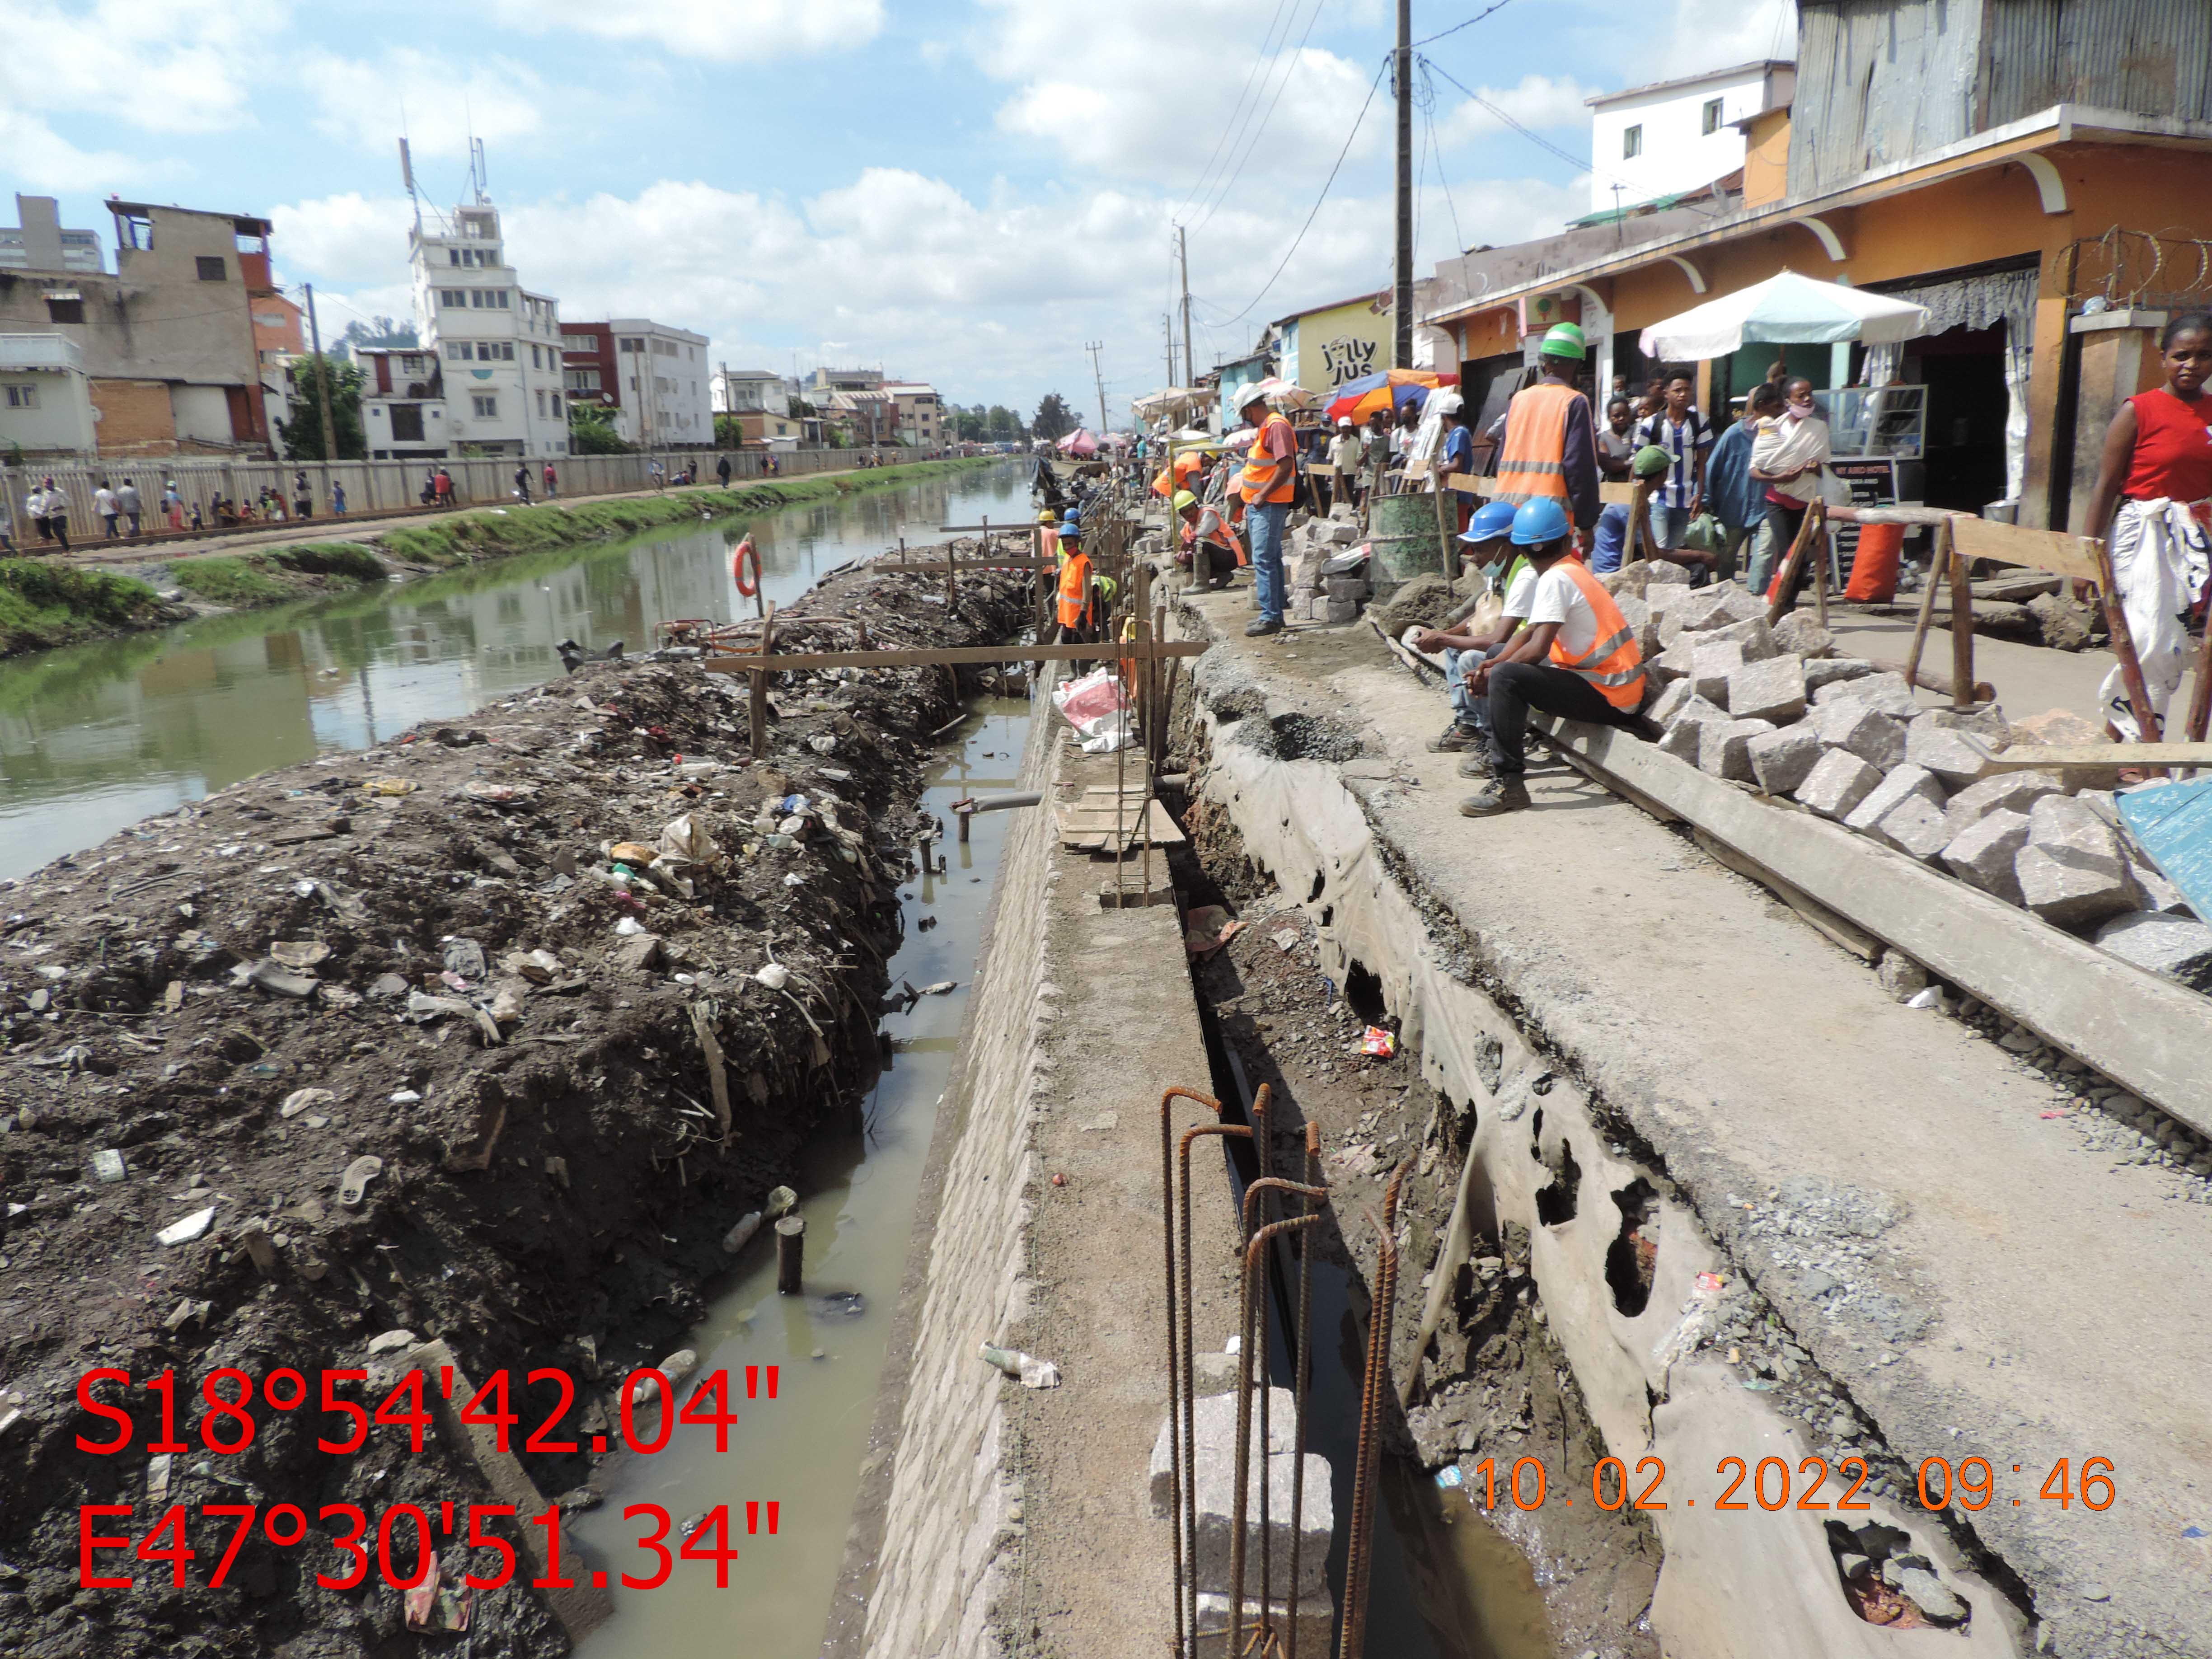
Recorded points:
(1212, 543)
(1577, 656)
(1079, 606)
(1048, 534)
(1550, 450)
(1487, 541)
(1269, 481)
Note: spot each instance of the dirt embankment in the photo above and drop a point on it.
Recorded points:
(425, 956)
(111, 588)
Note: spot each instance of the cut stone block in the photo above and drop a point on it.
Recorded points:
(1724, 748)
(2170, 946)
(1821, 671)
(2071, 872)
(2006, 792)
(2158, 893)
(1340, 611)
(1346, 587)
(1951, 754)
(1982, 853)
(1217, 1493)
(1633, 612)
(2056, 728)
(1677, 661)
(1671, 702)
(1683, 740)
(1783, 759)
(1914, 828)
(1874, 737)
(1772, 689)
(1213, 1426)
(1840, 782)
(1316, 1621)
(1665, 574)
(1711, 664)
(1754, 636)
(1886, 694)
(1986, 721)
(1720, 606)
(1670, 622)
(1901, 782)
(1900, 976)
(1799, 632)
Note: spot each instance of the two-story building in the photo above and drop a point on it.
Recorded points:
(402, 403)
(920, 414)
(654, 379)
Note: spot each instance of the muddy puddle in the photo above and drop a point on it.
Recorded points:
(803, 1450)
(96, 736)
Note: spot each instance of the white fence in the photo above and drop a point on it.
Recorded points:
(381, 486)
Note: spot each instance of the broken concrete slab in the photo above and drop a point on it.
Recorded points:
(1914, 828)
(1724, 747)
(1873, 737)
(1772, 688)
(1982, 853)
(2071, 872)
(1897, 785)
(1885, 693)
(1783, 758)
(2172, 947)
(1710, 666)
(1830, 671)
(1836, 784)
(1801, 632)
(1947, 753)
(2001, 792)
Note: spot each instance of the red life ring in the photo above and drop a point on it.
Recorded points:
(746, 555)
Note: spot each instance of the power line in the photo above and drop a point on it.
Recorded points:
(1348, 138)
(1470, 23)
(1429, 115)
(1290, 62)
(1235, 110)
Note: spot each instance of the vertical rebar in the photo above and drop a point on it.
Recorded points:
(1187, 1500)
(1177, 1453)
(1359, 1558)
(1302, 1371)
(1255, 1319)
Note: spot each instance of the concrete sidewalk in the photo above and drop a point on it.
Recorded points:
(2028, 1301)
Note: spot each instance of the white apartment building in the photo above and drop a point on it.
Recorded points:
(664, 394)
(1670, 136)
(750, 390)
(920, 413)
(496, 344)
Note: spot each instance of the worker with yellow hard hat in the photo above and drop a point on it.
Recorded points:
(1210, 542)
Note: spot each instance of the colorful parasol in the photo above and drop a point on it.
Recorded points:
(1384, 392)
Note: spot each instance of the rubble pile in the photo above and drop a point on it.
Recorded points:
(488, 1034)
(1777, 710)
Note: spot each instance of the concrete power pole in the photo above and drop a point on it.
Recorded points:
(1094, 348)
(322, 378)
(1167, 327)
(1183, 256)
(1402, 348)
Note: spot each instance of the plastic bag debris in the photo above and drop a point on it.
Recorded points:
(192, 1227)
(1096, 707)
(774, 975)
(1378, 1042)
(1208, 927)
(686, 839)
(1034, 1373)
(1450, 1478)
(389, 787)
(1930, 998)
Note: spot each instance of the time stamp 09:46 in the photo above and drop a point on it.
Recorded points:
(1771, 1484)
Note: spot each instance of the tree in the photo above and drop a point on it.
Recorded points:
(971, 426)
(591, 431)
(303, 433)
(1053, 420)
(728, 433)
(376, 332)
(1002, 424)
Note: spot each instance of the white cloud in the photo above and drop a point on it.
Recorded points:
(347, 240)
(1549, 105)
(728, 31)
(38, 157)
(370, 102)
(172, 66)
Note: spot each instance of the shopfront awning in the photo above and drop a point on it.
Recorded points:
(1786, 309)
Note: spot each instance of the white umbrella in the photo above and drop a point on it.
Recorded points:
(1784, 310)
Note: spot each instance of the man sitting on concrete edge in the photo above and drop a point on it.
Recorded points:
(1576, 658)
(1485, 544)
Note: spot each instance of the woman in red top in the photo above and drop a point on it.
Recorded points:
(2158, 470)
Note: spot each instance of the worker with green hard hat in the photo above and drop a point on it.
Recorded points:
(1550, 447)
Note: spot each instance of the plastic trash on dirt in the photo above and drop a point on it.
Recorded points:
(1378, 1042)
(1450, 1477)
(1208, 927)
(1095, 708)
(1034, 1373)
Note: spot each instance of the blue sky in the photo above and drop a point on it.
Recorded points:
(965, 191)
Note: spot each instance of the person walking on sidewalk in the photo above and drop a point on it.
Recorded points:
(1550, 450)
(1737, 499)
(1686, 436)
(1344, 454)
(1576, 658)
(2154, 491)
(104, 507)
(722, 469)
(173, 507)
(53, 507)
(338, 498)
(552, 481)
(1269, 481)
(133, 507)
(522, 483)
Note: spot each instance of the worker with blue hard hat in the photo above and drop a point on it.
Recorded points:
(1575, 657)
(1486, 543)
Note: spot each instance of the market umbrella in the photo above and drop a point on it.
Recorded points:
(1386, 391)
(1080, 444)
(1785, 309)
(1284, 394)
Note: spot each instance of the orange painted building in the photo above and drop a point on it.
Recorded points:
(2050, 247)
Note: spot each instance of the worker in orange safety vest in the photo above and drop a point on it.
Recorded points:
(1549, 448)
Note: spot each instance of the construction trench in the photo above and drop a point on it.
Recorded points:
(1709, 1199)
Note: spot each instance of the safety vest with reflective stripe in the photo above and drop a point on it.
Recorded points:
(1258, 468)
(1613, 663)
(1075, 591)
(1531, 461)
(1220, 536)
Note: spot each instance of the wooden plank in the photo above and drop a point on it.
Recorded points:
(1096, 831)
(1962, 621)
(2147, 1034)
(2101, 755)
(751, 663)
(981, 562)
(2011, 544)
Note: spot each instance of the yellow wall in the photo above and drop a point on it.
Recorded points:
(1342, 344)
(1766, 158)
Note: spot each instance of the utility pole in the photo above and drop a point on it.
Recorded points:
(1617, 234)
(322, 380)
(1401, 347)
(1167, 327)
(730, 409)
(1094, 348)
(1183, 255)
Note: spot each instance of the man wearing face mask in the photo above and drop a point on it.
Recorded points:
(1484, 544)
